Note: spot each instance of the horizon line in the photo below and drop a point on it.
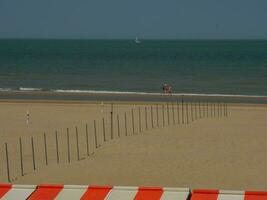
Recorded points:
(56, 38)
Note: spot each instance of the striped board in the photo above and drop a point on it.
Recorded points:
(227, 195)
(72, 192)
(142, 193)
(14, 192)
(69, 192)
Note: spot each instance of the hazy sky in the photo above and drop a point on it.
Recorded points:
(129, 18)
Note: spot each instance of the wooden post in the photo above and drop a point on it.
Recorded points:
(195, 110)
(203, 108)
(173, 120)
(45, 145)
(182, 111)
(227, 112)
(21, 157)
(111, 121)
(68, 144)
(178, 113)
(118, 121)
(187, 117)
(218, 110)
(133, 121)
(95, 135)
(104, 129)
(214, 109)
(140, 129)
(168, 114)
(207, 109)
(57, 147)
(222, 106)
(192, 111)
(125, 120)
(199, 107)
(152, 120)
(224, 109)
(77, 144)
(33, 155)
(221, 109)
(7, 165)
(211, 109)
(163, 116)
(157, 115)
(146, 117)
(87, 140)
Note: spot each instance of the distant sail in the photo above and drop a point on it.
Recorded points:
(137, 41)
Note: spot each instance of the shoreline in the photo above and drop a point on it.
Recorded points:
(123, 96)
(106, 92)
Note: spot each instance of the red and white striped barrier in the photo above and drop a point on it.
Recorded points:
(65, 192)
(227, 195)
(15, 192)
(68, 192)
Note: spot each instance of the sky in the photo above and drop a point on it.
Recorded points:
(124, 19)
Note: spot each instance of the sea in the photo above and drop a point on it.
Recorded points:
(207, 67)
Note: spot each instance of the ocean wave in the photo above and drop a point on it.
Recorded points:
(5, 89)
(30, 89)
(155, 93)
(107, 92)
(129, 92)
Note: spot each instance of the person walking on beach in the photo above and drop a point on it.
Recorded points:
(166, 88)
(28, 117)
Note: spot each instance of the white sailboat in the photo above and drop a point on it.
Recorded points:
(137, 41)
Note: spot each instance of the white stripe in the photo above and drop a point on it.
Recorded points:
(231, 195)
(71, 192)
(19, 192)
(124, 193)
(175, 194)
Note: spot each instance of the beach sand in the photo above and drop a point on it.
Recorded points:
(211, 152)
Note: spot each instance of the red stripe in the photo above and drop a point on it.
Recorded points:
(96, 193)
(205, 194)
(46, 192)
(249, 195)
(4, 188)
(149, 193)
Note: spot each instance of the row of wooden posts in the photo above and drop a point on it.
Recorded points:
(197, 110)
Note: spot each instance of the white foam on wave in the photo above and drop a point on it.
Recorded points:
(5, 89)
(131, 93)
(107, 92)
(157, 94)
(29, 89)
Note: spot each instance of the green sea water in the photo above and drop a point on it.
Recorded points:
(237, 67)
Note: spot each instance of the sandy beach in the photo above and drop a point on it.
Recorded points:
(209, 152)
